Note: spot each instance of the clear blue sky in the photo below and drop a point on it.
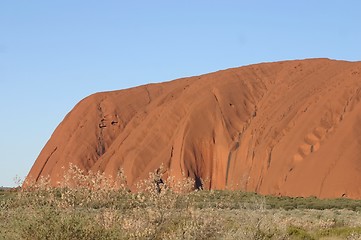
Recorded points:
(54, 53)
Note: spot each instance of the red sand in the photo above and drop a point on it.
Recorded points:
(286, 128)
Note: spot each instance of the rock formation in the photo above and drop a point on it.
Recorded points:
(286, 128)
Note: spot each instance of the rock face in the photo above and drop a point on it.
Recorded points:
(286, 128)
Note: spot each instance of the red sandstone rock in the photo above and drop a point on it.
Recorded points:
(286, 128)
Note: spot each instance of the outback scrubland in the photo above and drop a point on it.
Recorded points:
(101, 207)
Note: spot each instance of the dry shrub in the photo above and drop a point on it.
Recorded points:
(160, 209)
(163, 211)
(89, 205)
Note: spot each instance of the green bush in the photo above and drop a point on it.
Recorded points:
(298, 233)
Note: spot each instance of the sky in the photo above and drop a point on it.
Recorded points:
(55, 53)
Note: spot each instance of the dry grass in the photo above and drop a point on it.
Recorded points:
(103, 208)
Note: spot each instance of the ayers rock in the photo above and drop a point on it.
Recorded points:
(286, 128)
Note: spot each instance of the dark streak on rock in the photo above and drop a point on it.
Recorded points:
(42, 169)
(269, 158)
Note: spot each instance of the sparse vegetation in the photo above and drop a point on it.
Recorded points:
(103, 208)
